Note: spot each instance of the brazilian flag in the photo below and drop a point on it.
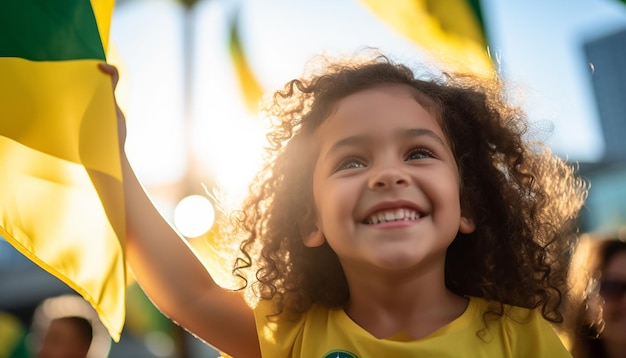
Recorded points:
(451, 31)
(251, 89)
(61, 192)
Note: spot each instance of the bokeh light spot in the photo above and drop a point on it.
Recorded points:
(194, 216)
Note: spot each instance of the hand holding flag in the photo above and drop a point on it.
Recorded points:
(61, 193)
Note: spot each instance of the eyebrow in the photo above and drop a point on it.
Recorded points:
(404, 134)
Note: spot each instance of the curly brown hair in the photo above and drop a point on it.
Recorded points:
(523, 199)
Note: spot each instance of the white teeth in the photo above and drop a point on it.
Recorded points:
(400, 214)
(392, 215)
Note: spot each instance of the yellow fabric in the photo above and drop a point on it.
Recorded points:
(445, 28)
(103, 9)
(251, 89)
(48, 117)
(325, 333)
(61, 193)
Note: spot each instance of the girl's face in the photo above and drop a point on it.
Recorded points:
(386, 184)
(612, 291)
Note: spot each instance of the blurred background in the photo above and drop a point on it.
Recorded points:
(192, 73)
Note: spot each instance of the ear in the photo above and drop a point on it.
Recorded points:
(467, 225)
(314, 239)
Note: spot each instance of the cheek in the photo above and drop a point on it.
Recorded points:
(324, 204)
(318, 197)
(316, 184)
(446, 191)
(334, 203)
(610, 308)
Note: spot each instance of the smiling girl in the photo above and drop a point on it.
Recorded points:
(397, 216)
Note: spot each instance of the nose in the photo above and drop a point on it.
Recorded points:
(388, 176)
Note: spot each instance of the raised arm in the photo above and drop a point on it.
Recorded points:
(173, 277)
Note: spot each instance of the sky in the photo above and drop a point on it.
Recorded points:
(541, 46)
(537, 45)
(185, 111)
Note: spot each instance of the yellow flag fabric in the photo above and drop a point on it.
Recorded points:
(251, 89)
(61, 192)
(447, 29)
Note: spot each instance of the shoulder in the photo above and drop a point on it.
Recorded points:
(523, 330)
(280, 324)
(288, 335)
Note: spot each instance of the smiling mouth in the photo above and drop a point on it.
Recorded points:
(385, 216)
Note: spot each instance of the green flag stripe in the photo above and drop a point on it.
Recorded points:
(49, 30)
(476, 7)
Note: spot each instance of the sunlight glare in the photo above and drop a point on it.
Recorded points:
(194, 216)
(236, 157)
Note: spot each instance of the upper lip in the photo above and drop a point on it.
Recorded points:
(390, 205)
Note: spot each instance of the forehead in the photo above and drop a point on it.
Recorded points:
(388, 106)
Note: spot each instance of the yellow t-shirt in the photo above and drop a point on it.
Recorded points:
(330, 333)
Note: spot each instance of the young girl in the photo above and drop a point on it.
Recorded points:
(396, 217)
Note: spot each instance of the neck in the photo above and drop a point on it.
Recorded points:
(416, 305)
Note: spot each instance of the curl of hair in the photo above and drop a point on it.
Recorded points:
(523, 199)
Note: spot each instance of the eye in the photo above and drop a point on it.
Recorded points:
(419, 153)
(350, 163)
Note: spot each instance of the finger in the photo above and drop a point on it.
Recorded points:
(111, 71)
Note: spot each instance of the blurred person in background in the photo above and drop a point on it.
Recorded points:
(68, 337)
(598, 320)
(67, 326)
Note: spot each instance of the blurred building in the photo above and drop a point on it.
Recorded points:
(606, 205)
(608, 80)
